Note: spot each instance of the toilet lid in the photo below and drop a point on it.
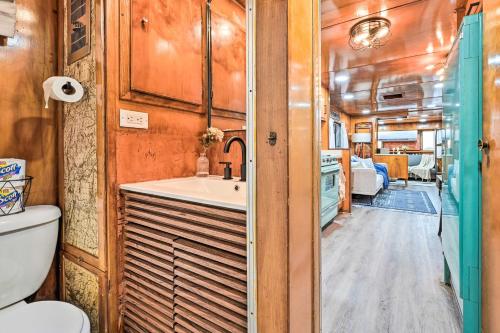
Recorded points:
(44, 317)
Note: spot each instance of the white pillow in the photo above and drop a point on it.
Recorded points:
(356, 165)
(368, 163)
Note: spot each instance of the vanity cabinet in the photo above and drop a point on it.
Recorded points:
(183, 266)
(161, 52)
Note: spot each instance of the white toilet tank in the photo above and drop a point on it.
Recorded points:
(27, 245)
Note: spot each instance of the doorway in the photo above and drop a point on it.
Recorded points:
(383, 267)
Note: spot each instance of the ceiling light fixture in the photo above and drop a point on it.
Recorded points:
(366, 111)
(370, 33)
(430, 48)
(341, 78)
(348, 97)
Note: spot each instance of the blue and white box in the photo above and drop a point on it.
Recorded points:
(11, 187)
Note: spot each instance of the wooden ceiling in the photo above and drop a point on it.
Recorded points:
(401, 76)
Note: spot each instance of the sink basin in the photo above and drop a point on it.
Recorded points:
(212, 190)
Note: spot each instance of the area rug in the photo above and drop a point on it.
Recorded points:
(413, 201)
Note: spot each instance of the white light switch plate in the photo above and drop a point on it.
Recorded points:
(133, 119)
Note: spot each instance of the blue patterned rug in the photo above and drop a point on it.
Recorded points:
(414, 201)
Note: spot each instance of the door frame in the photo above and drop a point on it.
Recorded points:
(251, 186)
(283, 82)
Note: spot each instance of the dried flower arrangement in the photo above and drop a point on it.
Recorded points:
(211, 136)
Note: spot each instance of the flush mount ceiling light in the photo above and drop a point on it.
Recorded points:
(348, 97)
(370, 33)
(341, 78)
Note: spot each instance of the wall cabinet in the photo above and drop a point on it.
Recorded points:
(229, 58)
(161, 58)
(163, 54)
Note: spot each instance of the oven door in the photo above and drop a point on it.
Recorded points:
(329, 187)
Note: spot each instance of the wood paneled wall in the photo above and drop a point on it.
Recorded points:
(28, 130)
(170, 146)
(491, 169)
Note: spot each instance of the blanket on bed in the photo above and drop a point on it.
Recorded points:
(382, 170)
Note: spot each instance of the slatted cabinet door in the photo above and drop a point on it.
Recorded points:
(184, 266)
(148, 298)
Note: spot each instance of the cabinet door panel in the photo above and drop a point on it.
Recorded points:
(228, 56)
(165, 57)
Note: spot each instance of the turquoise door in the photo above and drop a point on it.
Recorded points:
(461, 196)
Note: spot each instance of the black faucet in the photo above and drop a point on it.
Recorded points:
(227, 146)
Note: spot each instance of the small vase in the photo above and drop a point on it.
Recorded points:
(202, 165)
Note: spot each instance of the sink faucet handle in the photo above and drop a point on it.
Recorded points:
(227, 170)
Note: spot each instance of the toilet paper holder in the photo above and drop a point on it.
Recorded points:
(62, 88)
(68, 88)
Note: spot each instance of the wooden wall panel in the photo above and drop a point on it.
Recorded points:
(491, 169)
(346, 165)
(28, 130)
(303, 158)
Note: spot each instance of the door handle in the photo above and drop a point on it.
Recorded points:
(483, 145)
(144, 21)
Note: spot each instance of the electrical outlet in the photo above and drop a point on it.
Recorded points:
(133, 119)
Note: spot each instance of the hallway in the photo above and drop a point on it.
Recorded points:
(382, 272)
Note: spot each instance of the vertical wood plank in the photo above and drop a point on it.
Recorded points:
(303, 164)
(271, 50)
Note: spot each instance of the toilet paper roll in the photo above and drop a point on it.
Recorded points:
(12, 169)
(62, 88)
(11, 200)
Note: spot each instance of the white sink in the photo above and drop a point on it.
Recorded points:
(212, 190)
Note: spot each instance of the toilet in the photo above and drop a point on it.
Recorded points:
(27, 246)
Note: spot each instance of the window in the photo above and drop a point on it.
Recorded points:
(428, 140)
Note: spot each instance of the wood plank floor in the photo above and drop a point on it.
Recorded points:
(382, 272)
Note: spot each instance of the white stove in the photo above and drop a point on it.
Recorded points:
(329, 188)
